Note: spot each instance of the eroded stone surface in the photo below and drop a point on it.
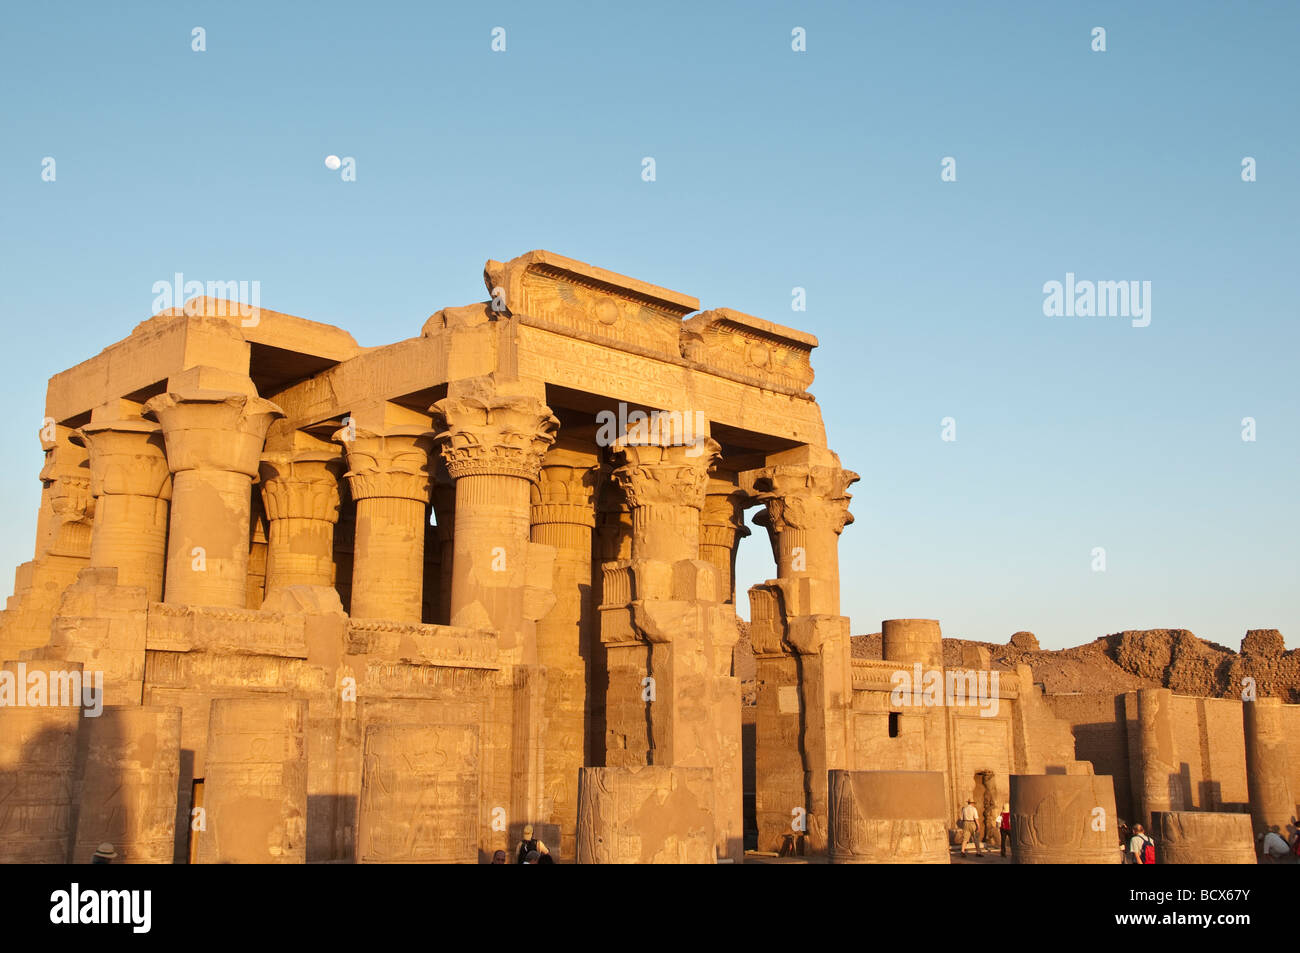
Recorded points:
(888, 817)
(646, 815)
(1201, 837)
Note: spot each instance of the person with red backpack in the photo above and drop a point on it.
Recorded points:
(1142, 847)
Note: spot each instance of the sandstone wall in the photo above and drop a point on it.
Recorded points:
(1209, 746)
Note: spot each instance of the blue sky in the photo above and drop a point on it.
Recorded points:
(775, 169)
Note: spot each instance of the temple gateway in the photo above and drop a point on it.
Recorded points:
(393, 604)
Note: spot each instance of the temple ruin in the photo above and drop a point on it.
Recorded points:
(392, 604)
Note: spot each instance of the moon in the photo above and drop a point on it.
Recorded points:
(332, 162)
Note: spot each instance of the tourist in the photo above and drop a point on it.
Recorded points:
(529, 844)
(104, 854)
(1142, 847)
(970, 825)
(532, 857)
(1004, 828)
(499, 857)
(1125, 833)
(1274, 849)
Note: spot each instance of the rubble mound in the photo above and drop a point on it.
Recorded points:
(1265, 643)
(1024, 641)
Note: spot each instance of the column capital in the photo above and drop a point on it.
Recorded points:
(127, 458)
(724, 511)
(66, 476)
(566, 488)
(213, 429)
(652, 473)
(301, 485)
(503, 435)
(805, 496)
(393, 463)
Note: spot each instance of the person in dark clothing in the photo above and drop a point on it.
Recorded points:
(528, 845)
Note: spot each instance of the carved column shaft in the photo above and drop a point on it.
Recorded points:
(806, 509)
(1267, 766)
(489, 552)
(665, 487)
(722, 526)
(132, 486)
(444, 503)
(214, 439)
(492, 446)
(388, 474)
(131, 533)
(301, 496)
(664, 484)
(1161, 782)
(207, 562)
(563, 515)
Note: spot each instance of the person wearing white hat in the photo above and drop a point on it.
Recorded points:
(104, 854)
(529, 845)
(970, 829)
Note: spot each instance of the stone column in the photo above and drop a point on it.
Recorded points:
(1063, 819)
(492, 444)
(388, 474)
(610, 581)
(258, 549)
(564, 515)
(911, 642)
(444, 505)
(690, 708)
(132, 485)
(722, 526)
(665, 487)
(1161, 782)
(888, 817)
(1203, 837)
(1267, 770)
(807, 509)
(214, 441)
(300, 492)
(806, 499)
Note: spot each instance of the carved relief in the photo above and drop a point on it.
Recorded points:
(1063, 819)
(584, 301)
(887, 817)
(769, 355)
(419, 794)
